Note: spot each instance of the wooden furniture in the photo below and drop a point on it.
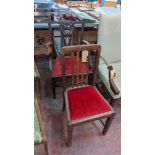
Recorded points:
(110, 4)
(68, 34)
(37, 81)
(43, 40)
(39, 130)
(109, 37)
(83, 102)
(46, 49)
(60, 1)
(76, 4)
(93, 14)
(90, 34)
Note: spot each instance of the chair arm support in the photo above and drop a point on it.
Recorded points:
(112, 74)
(49, 47)
(50, 55)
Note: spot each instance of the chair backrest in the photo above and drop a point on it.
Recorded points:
(84, 59)
(69, 33)
(109, 37)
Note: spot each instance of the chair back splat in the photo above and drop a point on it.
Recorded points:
(84, 62)
(69, 35)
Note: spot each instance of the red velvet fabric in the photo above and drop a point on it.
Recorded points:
(85, 102)
(57, 70)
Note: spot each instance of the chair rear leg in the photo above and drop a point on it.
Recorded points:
(107, 124)
(64, 105)
(112, 102)
(53, 87)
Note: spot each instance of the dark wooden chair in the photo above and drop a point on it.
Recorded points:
(83, 102)
(39, 130)
(69, 36)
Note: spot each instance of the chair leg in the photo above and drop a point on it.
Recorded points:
(46, 148)
(53, 87)
(107, 124)
(112, 102)
(69, 135)
(64, 105)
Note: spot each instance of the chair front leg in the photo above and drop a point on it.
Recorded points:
(46, 148)
(107, 124)
(69, 135)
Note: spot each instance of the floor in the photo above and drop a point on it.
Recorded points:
(87, 139)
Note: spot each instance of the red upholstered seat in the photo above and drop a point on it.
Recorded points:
(85, 101)
(57, 70)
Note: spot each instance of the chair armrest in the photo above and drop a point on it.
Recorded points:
(112, 74)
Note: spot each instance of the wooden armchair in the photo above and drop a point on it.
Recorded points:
(109, 37)
(83, 102)
(39, 131)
